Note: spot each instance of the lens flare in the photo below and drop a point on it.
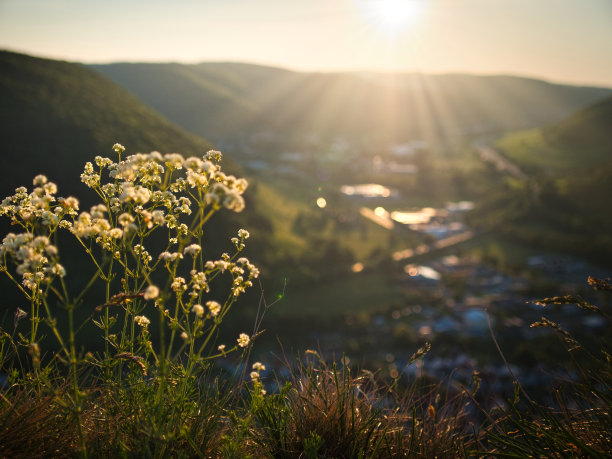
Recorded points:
(391, 16)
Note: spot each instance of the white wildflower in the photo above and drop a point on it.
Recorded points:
(39, 180)
(214, 155)
(198, 310)
(115, 233)
(89, 177)
(192, 250)
(174, 160)
(102, 161)
(50, 188)
(243, 340)
(125, 219)
(158, 217)
(168, 257)
(142, 321)
(118, 148)
(178, 285)
(151, 292)
(97, 211)
(258, 366)
(214, 308)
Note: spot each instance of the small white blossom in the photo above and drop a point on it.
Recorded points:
(258, 366)
(118, 148)
(115, 233)
(158, 217)
(39, 180)
(174, 160)
(214, 308)
(142, 321)
(125, 219)
(178, 285)
(243, 340)
(50, 188)
(199, 281)
(167, 256)
(198, 310)
(214, 155)
(151, 292)
(103, 162)
(192, 250)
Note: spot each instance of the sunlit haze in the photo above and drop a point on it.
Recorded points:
(559, 40)
(392, 17)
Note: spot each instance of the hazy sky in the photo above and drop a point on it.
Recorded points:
(560, 40)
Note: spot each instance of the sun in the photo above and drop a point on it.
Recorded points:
(391, 16)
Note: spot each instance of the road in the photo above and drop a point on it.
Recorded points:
(407, 254)
(501, 163)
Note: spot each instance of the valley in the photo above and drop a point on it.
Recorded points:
(373, 240)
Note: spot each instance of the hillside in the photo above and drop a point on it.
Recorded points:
(56, 115)
(221, 100)
(589, 129)
(581, 140)
(565, 204)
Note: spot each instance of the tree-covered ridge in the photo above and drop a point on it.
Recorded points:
(563, 205)
(587, 129)
(51, 112)
(579, 141)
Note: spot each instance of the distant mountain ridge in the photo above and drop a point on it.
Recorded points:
(223, 100)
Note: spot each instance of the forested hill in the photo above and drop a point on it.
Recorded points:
(578, 142)
(223, 100)
(570, 164)
(55, 115)
(590, 128)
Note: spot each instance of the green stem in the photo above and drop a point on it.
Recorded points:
(88, 251)
(75, 381)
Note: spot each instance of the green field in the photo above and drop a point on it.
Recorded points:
(357, 292)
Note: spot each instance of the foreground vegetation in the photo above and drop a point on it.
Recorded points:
(124, 364)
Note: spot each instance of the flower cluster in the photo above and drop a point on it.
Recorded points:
(257, 368)
(142, 321)
(38, 206)
(144, 192)
(243, 340)
(36, 258)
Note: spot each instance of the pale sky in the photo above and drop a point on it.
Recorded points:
(558, 40)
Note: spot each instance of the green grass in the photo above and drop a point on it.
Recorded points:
(533, 151)
(363, 291)
(282, 211)
(580, 141)
(530, 149)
